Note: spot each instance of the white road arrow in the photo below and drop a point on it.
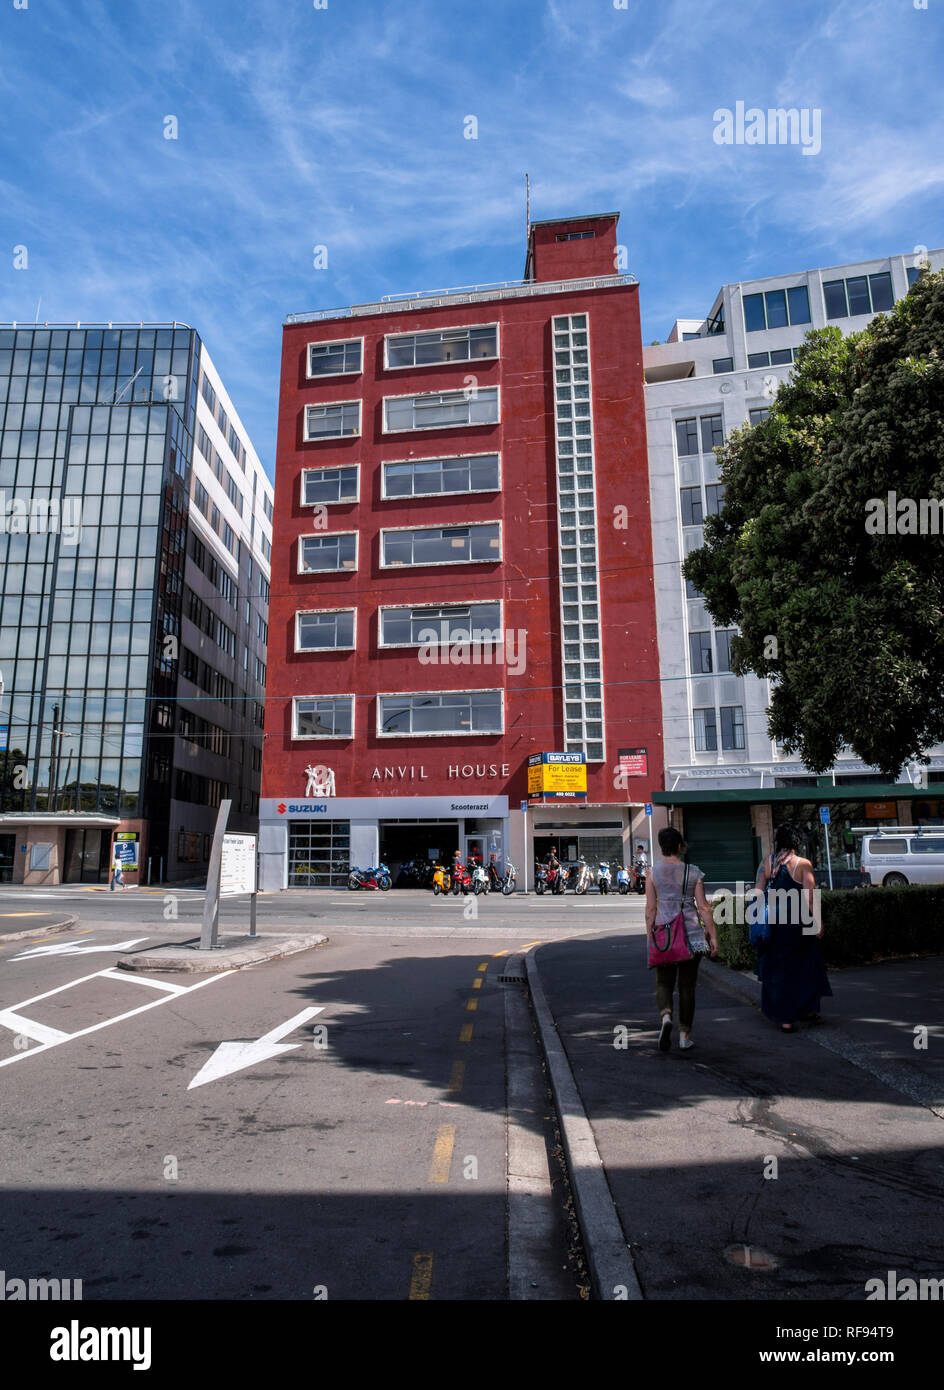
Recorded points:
(74, 948)
(233, 1056)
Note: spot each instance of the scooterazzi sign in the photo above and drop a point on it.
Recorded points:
(557, 776)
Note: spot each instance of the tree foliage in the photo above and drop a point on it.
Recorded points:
(846, 619)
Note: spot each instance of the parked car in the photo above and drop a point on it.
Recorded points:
(904, 854)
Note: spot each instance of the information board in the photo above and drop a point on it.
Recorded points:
(238, 866)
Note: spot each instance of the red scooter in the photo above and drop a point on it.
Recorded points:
(461, 880)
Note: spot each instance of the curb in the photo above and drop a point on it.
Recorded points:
(608, 1257)
(186, 958)
(64, 925)
(744, 987)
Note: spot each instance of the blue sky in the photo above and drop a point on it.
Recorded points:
(343, 127)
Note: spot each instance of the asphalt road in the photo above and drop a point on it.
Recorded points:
(363, 1154)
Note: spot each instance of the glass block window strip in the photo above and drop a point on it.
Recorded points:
(573, 414)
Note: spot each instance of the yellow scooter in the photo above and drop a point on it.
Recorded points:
(442, 880)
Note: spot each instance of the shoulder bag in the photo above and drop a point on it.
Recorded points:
(668, 941)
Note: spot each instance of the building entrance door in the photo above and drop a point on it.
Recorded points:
(86, 858)
(7, 851)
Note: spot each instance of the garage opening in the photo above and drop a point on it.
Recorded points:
(410, 847)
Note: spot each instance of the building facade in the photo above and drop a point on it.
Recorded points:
(726, 783)
(136, 535)
(462, 576)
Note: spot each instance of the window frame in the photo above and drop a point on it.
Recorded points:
(447, 328)
(329, 343)
(418, 607)
(439, 458)
(436, 564)
(323, 536)
(327, 468)
(458, 425)
(308, 438)
(315, 651)
(440, 733)
(308, 738)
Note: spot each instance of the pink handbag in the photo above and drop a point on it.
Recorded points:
(668, 941)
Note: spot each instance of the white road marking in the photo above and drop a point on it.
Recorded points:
(233, 1056)
(76, 948)
(30, 1029)
(95, 1027)
(143, 980)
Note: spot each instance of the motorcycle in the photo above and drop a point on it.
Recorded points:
(494, 877)
(557, 879)
(480, 880)
(461, 880)
(509, 880)
(540, 880)
(376, 877)
(622, 879)
(604, 878)
(584, 877)
(639, 876)
(442, 880)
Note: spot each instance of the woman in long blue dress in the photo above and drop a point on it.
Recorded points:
(790, 965)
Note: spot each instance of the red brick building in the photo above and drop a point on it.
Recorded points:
(462, 571)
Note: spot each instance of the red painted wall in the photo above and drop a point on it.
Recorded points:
(526, 579)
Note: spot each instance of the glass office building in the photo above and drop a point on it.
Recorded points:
(134, 540)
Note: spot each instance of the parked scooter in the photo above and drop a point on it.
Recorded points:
(375, 877)
(480, 879)
(640, 870)
(584, 877)
(622, 879)
(461, 880)
(442, 880)
(540, 880)
(604, 878)
(510, 879)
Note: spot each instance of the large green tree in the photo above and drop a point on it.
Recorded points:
(836, 592)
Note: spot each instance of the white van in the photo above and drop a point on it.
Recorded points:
(904, 854)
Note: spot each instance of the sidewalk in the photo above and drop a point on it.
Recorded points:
(685, 1139)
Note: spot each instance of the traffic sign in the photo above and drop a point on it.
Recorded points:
(648, 808)
(824, 814)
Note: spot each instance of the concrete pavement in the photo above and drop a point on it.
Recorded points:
(757, 1165)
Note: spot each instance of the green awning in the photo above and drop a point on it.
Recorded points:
(757, 796)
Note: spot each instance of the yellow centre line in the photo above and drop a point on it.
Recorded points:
(483, 966)
(456, 1078)
(528, 944)
(422, 1275)
(442, 1153)
(497, 954)
(465, 1032)
(477, 982)
(472, 1005)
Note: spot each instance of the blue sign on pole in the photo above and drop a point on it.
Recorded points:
(4, 732)
(824, 814)
(648, 808)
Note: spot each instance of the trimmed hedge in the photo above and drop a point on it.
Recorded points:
(859, 926)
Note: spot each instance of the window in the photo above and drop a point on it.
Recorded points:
(441, 410)
(234, 442)
(758, 359)
(324, 631)
(333, 421)
(722, 364)
(732, 726)
(227, 537)
(926, 845)
(209, 395)
(442, 345)
(201, 497)
(472, 712)
(323, 716)
(860, 294)
(776, 308)
(692, 514)
(706, 731)
(699, 649)
(442, 545)
(337, 551)
(440, 624)
(686, 437)
(233, 493)
(877, 845)
(712, 433)
(431, 477)
(335, 359)
(329, 485)
(756, 416)
(913, 272)
(260, 671)
(573, 236)
(723, 647)
(222, 419)
(779, 357)
(715, 498)
(267, 506)
(266, 547)
(203, 443)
